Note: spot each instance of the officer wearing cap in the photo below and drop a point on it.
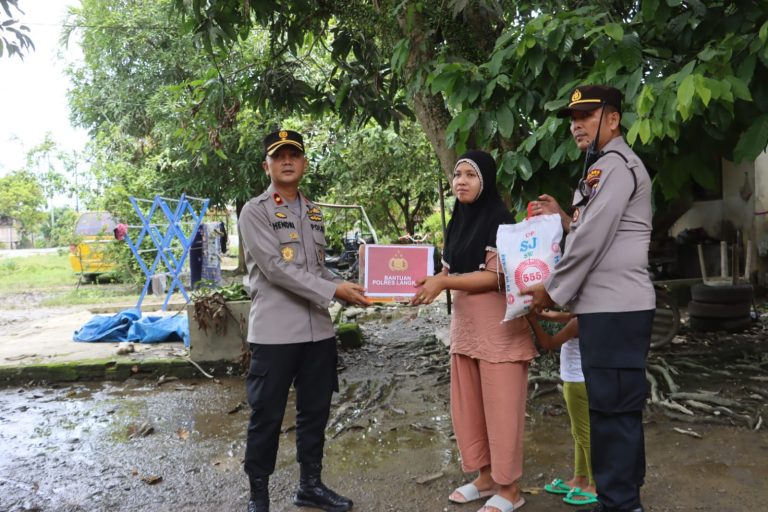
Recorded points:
(603, 278)
(290, 331)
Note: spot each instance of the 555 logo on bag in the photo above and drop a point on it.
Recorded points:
(528, 252)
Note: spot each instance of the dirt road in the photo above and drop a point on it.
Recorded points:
(178, 446)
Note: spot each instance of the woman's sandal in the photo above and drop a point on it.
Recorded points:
(587, 498)
(557, 487)
(502, 504)
(470, 492)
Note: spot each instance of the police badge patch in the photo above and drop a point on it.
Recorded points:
(288, 254)
(593, 178)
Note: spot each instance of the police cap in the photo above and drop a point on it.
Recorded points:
(590, 97)
(280, 138)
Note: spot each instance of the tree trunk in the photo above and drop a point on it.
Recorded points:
(434, 118)
(430, 110)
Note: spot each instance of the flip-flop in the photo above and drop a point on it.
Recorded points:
(502, 504)
(557, 487)
(471, 493)
(587, 497)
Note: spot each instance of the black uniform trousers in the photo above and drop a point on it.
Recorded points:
(311, 368)
(614, 347)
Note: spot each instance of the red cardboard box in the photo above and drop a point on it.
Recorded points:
(392, 270)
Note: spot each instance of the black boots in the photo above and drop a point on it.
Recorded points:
(313, 493)
(259, 501)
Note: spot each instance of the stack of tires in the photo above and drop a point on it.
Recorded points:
(666, 321)
(720, 308)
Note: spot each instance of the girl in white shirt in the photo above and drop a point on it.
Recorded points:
(579, 490)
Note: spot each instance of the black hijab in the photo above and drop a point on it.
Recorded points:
(473, 226)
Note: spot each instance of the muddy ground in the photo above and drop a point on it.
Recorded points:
(178, 445)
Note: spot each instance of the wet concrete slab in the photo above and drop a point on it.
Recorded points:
(49, 340)
(159, 444)
(41, 348)
(135, 445)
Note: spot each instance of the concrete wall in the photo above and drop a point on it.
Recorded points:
(9, 238)
(211, 346)
(761, 215)
(740, 213)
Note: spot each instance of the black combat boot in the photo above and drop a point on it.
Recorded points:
(259, 501)
(313, 493)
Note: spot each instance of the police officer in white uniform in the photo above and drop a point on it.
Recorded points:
(290, 331)
(603, 278)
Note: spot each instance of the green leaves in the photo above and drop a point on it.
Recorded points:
(516, 164)
(458, 129)
(614, 31)
(505, 120)
(753, 141)
(685, 96)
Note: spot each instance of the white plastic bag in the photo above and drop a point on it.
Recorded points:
(528, 252)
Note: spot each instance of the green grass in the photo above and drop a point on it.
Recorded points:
(52, 275)
(94, 294)
(36, 272)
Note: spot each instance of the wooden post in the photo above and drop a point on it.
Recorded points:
(735, 259)
(748, 261)
(723, 259)
(701, 265)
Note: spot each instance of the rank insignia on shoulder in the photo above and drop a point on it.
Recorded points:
(576, 213)
(280, 215)
(276, 197)
(315, 218)
(593, 177)
(288, 254)
(293, 236)
(313, 210)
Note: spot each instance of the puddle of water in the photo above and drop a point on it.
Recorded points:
(68, 449)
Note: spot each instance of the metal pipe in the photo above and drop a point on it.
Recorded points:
(185, 197)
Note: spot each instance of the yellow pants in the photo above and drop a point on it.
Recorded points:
(575, 394)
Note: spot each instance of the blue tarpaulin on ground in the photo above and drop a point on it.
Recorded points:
(130, 325)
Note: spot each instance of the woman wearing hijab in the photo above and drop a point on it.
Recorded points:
(489, 358)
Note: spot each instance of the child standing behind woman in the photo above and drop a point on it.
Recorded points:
(579, 490)
(489, 358)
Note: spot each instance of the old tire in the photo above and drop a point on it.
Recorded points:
(708, 310)
(666, 323)
(727, 294)
(716, 324)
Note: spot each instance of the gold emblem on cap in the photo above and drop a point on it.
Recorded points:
(288, 254)
(576, 96)
(283, 134)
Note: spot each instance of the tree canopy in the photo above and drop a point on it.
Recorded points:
(168, 117)
(491, 74)
(21, 198)
(14, 37)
